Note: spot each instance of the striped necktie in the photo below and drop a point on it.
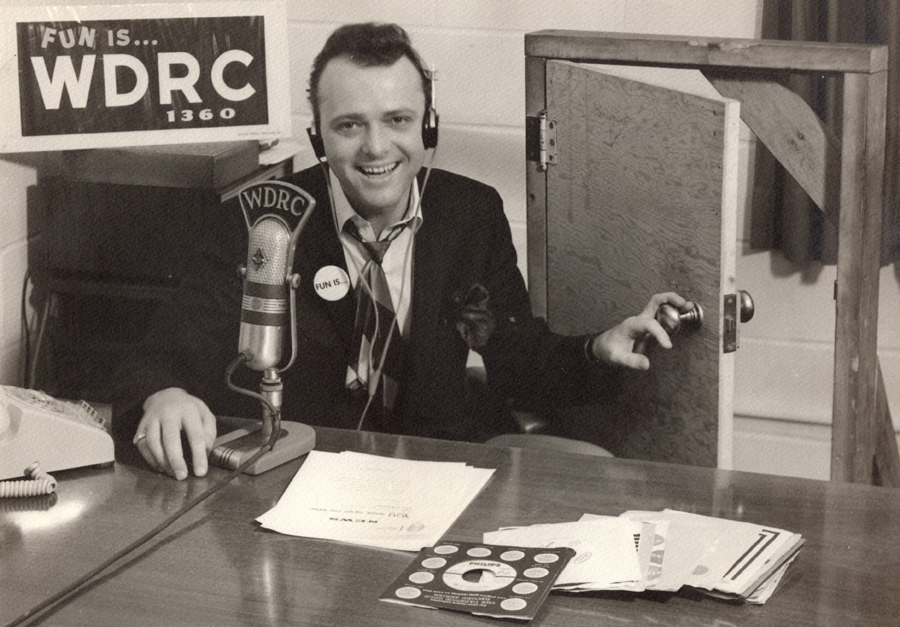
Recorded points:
(376, 331)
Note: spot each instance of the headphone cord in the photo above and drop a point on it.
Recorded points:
(323, 164)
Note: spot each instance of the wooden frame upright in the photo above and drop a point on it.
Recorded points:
(843, 176)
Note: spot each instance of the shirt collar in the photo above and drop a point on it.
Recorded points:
(343, 211)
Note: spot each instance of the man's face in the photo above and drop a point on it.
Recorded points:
(371, 125)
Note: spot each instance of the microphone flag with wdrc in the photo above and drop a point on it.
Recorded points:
(275, 213)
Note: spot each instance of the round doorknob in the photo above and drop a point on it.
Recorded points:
(673, 320)
(747, 306)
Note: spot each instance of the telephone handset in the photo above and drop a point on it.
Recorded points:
(56, 434)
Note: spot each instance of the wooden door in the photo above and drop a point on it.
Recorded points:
(640, 198)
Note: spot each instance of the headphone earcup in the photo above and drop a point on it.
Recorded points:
(430, 130)
(318, 145)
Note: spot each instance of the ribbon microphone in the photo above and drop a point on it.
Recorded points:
(275, 213)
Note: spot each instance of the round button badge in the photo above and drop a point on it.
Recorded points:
(331, 283)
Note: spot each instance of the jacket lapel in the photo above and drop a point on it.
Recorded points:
(429, 260)
(319, 248)
(332, 321)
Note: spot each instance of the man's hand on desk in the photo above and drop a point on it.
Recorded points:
(616, 346)
(158, 437)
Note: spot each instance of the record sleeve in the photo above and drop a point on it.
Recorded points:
(484, 579)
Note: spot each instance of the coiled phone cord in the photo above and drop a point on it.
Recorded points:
(40, 484)
(51, 600)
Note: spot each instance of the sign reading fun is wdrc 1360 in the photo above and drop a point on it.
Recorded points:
(130, 75)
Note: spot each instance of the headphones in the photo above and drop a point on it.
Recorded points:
(429, 129)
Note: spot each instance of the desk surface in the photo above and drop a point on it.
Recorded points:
(216, 566)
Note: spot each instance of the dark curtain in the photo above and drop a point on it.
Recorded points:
(784, 217)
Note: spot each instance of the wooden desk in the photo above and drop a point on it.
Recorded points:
(217, 567)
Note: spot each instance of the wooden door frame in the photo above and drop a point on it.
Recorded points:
(749, 70)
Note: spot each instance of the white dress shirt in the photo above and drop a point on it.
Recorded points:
(398, 260)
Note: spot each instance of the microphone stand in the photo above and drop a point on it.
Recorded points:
(294, 439)
(270, 388)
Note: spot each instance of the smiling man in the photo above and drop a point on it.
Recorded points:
(370, 120)
(433, 271)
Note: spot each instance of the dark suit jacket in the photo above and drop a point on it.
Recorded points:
(464, 240)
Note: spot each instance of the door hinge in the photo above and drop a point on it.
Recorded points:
(540, 140)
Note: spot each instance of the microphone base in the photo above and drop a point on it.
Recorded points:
(231, 449)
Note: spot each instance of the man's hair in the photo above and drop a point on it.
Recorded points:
(368, 44)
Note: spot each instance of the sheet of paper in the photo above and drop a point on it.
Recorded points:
(373, 500)
(738, 553)
(714, 553)
(644, 537)
(683, 549)
(651, 546)
(605, 549)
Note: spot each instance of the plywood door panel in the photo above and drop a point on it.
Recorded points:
(642, 200)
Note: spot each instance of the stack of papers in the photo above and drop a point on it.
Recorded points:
(376, 501)
(664, 551)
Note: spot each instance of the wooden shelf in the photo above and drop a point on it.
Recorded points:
(205, 166)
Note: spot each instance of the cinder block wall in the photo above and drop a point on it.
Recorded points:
(784, 366)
